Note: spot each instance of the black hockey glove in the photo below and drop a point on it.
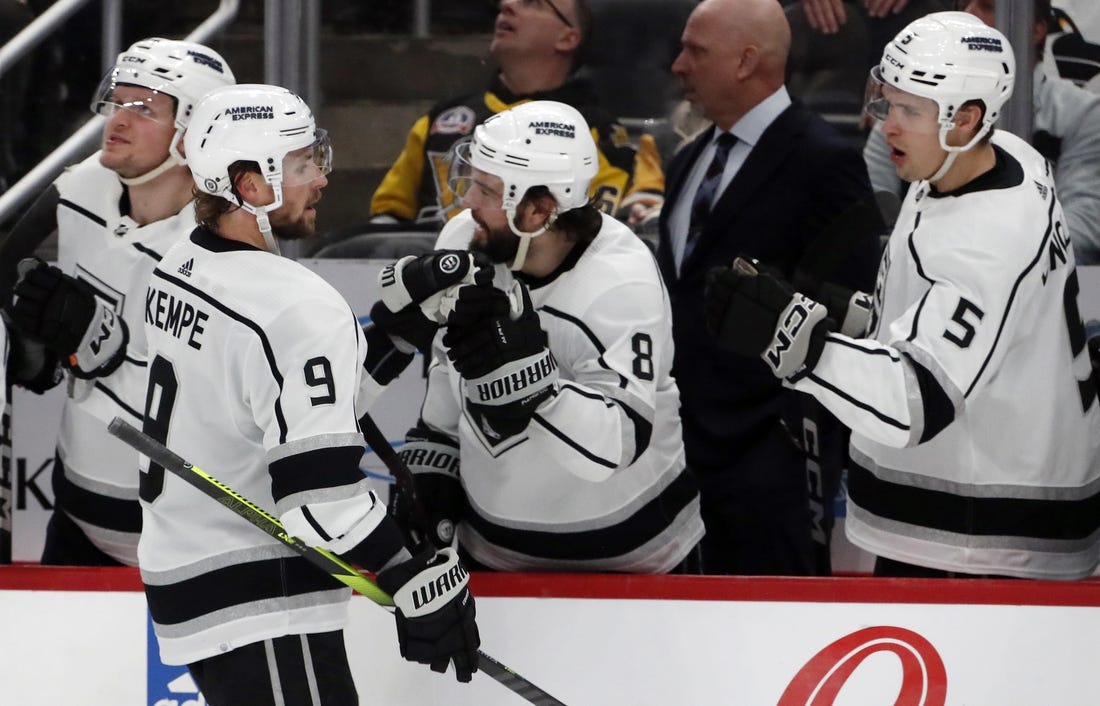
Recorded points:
(63, 313)
(30, 364)
(413, 289)
(849, 307)
(435, 611)
(755, 314)
(508, 369)
(434, 462)
(385, 360)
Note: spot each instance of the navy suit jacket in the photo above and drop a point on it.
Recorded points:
(797, 178)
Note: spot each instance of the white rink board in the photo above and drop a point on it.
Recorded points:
(88, 649)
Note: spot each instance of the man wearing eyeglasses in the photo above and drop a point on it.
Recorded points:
(537, 45)
(115, 213)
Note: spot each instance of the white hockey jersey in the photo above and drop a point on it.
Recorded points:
(98, 484)
(255, 368)
(597, 482)
(973, 409)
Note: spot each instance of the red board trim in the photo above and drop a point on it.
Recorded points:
(855, 589)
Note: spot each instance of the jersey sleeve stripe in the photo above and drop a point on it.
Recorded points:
(572, 444)
(117, 400)
(315, 524)
(643, 430)
(884, 418)
(589, 335)
(585, 393)
(314, 471)
(642, 426)
(254, 327)
(854, 344)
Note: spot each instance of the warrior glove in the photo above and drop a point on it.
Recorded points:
(64, 314)
(497, 344)
(413, 289)
(435, 611)
(753, 313)
(440, 501)
(407, 316)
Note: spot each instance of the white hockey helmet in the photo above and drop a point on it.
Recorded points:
(538, 143)
(255, 123)
(186, 71)
(951, 58)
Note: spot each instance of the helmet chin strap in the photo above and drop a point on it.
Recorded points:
(264, 225)
(152, 174)
(953, 151)
(262, 220)
(174, 159)
(525, 238)
(948, 162)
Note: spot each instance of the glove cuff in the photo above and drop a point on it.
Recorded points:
(103, 347)
(514, 381)
(434, 586)
(793, 347)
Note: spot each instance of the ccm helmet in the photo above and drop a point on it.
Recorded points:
(539, 143)
(254, 123)
(951, 58)
(185, 71)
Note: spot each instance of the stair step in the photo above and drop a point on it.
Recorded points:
(377, 66)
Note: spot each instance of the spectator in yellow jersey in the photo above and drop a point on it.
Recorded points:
(537, 45)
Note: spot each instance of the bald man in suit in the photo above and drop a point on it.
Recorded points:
(781, 175)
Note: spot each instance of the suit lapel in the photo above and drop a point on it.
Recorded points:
(678, 170)
(766, 156)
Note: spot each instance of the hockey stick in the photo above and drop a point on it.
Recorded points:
(382, 448)
(323, 559)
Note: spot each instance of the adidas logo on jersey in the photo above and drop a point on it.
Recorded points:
(185, 268)
(183, 685)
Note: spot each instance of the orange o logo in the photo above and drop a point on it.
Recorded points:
(923, 680)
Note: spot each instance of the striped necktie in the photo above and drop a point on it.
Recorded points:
(705, 195)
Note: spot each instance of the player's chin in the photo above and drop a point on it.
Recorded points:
(113, 160)
(302, 229)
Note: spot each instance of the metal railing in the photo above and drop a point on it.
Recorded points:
(84, 140)
(1017, 22)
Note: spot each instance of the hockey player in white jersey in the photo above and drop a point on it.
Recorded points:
(257, 373)
(972, 404)
(550, 431)
(116, 213)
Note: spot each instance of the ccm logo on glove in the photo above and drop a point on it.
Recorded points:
(798, 312)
